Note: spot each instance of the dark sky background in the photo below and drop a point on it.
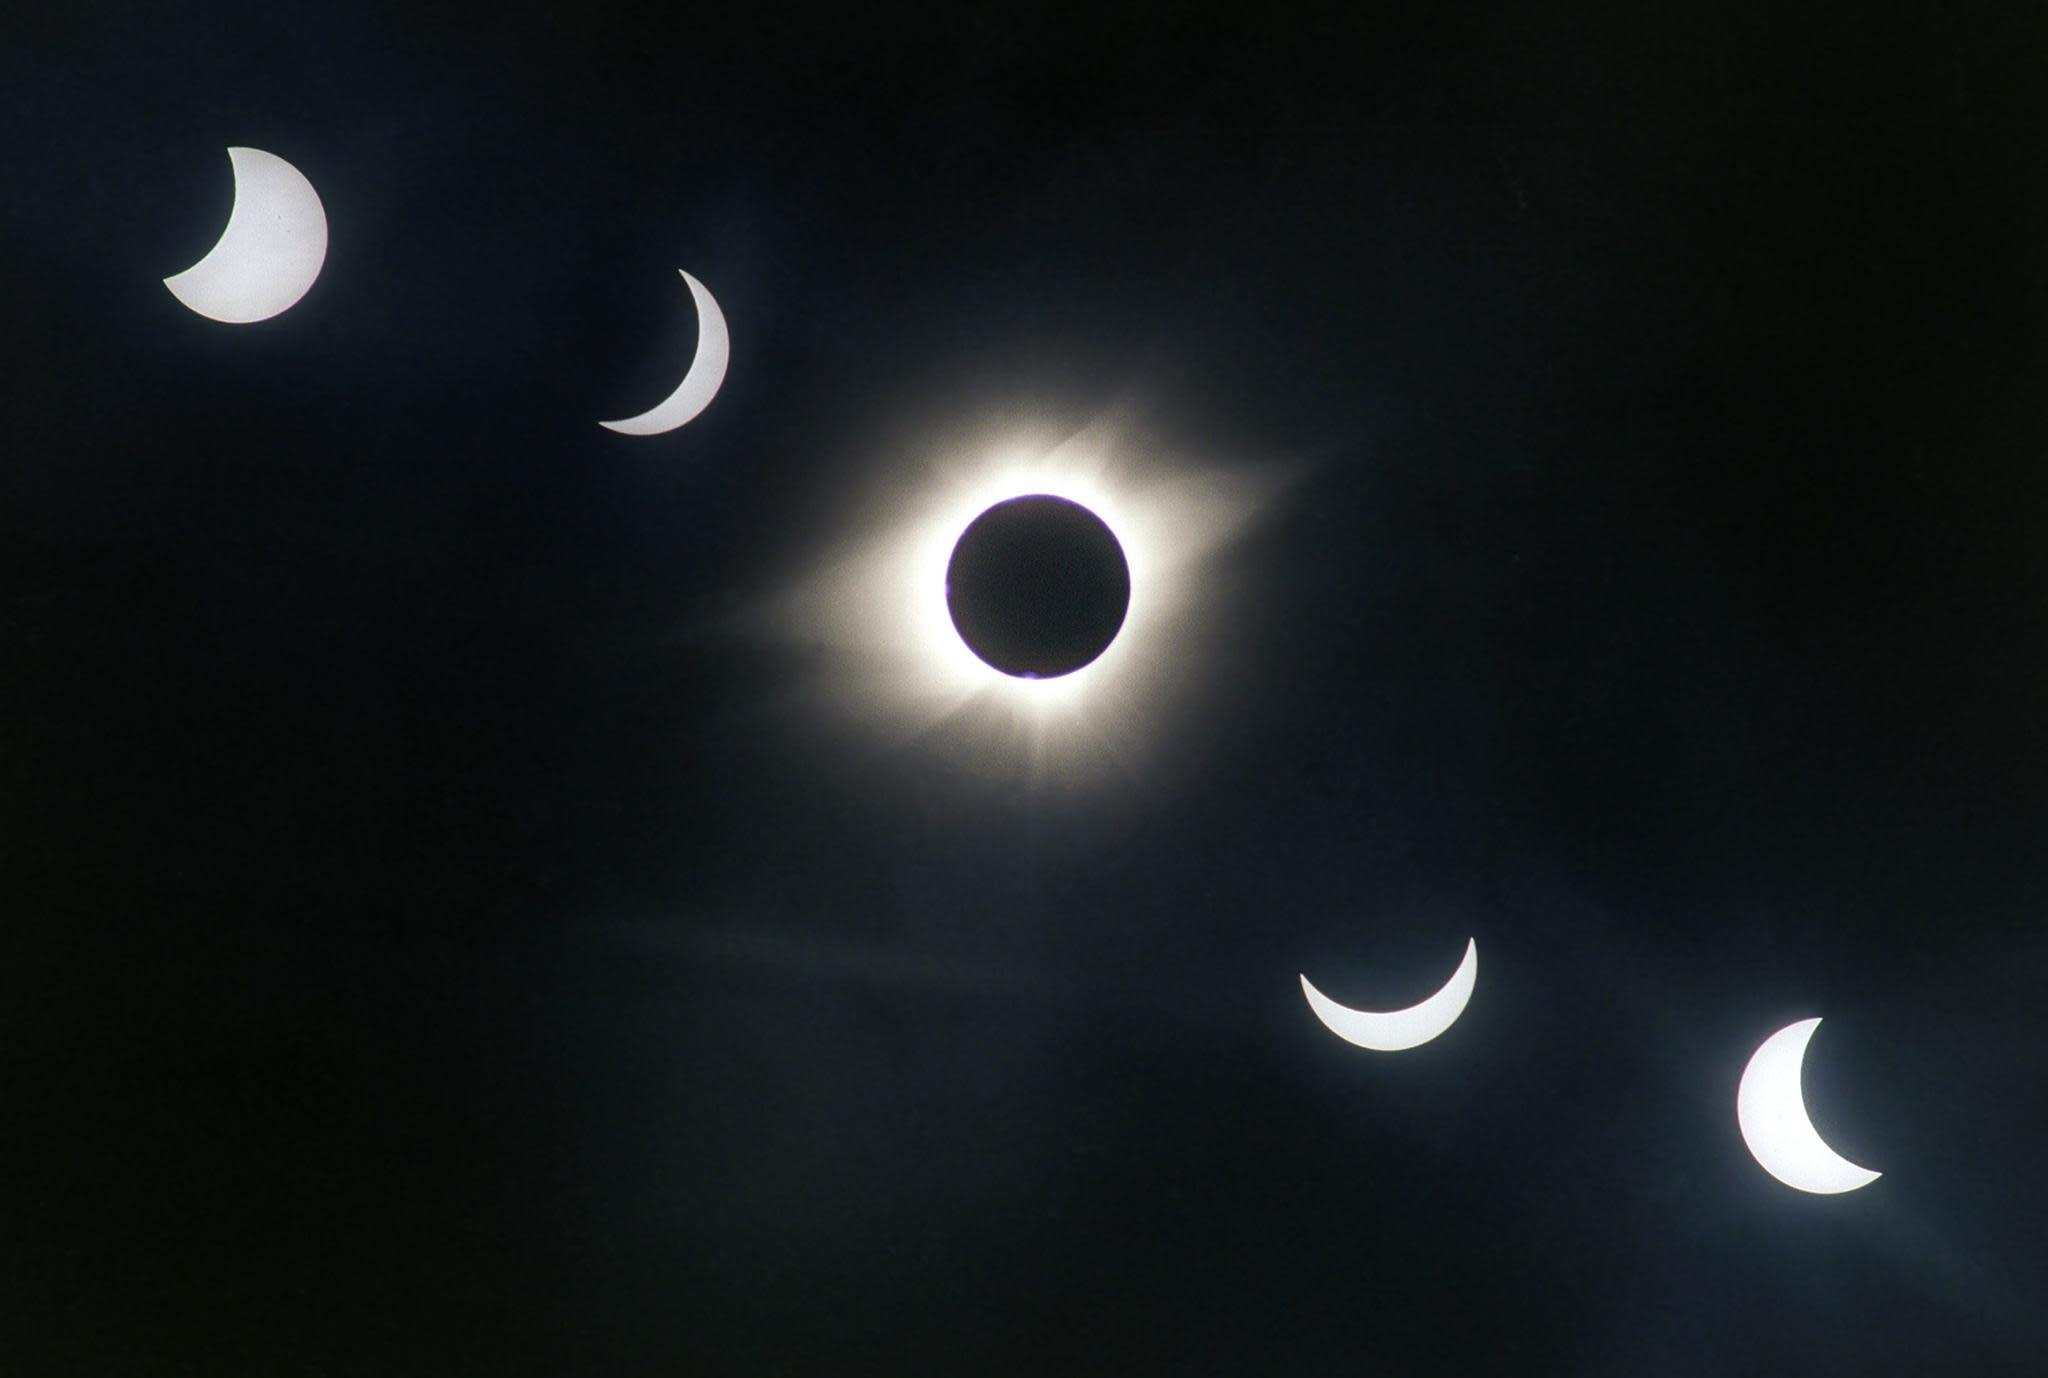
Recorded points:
(437, 938)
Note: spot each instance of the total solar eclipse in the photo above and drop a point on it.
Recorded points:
(1038, 586)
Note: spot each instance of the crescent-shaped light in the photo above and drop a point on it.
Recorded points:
(270, 252)
(1772, 1114)
(700, 384)
(1394, 1031)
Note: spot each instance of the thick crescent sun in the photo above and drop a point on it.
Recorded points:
(271, 251)
(1770, 1110)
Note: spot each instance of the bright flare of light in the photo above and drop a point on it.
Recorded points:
(1396, 1031)
(894, 657)
(271, 251)
(1771, 1110)
(700, 383)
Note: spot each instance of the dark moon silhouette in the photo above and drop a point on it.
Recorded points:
(1038, 586)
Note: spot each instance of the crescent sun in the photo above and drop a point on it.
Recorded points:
(271, 251)
(700, 384)
(1772, 1114)
(1394, 1031)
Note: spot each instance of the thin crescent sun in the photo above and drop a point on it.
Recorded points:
(1395, 1031)
(700, 382)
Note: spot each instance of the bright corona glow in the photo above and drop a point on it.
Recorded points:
(895, 658)
(1771, 1110)
(957, 671)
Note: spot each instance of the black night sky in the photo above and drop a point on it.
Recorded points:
(442, 933)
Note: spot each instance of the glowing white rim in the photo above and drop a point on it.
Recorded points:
(958, 667)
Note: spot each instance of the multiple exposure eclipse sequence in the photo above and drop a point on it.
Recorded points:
(1005, 693)
(1037, 587)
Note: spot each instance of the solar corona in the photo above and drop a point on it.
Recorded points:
(1031, 604)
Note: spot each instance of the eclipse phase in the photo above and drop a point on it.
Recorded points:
(271, 251)
(1771, 1110)
(700, 382)
(1038, 586)
(1394, 1031)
